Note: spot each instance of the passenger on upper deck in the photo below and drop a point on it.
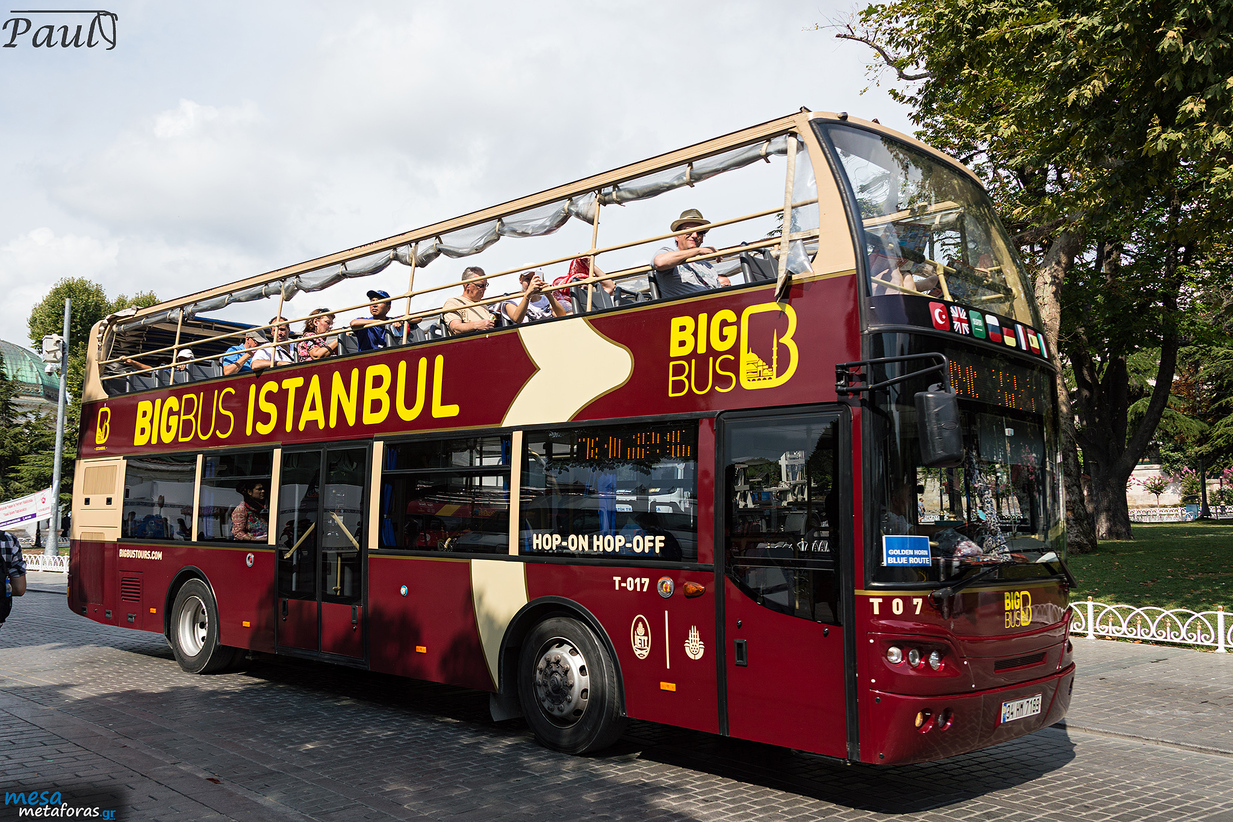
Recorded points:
(240, 357)
(314, 345)
(280, 354)
(533, 304)
(887, 265)
(461, 313)
(372, 333)
(677, 276)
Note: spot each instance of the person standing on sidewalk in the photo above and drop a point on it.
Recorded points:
(14, 567)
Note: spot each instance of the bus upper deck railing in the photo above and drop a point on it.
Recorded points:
(202, 367)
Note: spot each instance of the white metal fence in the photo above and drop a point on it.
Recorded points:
(39, 562)
(1178, 513)
(1179, 626)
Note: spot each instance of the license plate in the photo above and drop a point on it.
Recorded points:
(1020, 708)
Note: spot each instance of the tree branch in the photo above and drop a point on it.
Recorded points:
(886, 57)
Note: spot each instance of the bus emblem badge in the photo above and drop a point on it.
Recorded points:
(103, 429)
(694, 648)
(640, 637)
(666, 587)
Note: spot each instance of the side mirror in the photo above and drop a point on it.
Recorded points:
(937, 423)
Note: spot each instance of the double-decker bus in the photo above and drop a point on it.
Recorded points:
(815, 503)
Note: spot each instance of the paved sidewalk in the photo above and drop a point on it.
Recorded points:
(1159, 693)
(1155, 693)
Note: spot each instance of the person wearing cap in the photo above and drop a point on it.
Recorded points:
(280, 354)
(239, 358)
(676, 274)
(372, 332)
(533, 304)
(461, 314)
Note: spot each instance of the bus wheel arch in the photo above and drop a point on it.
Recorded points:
(560, 667)
(192, 627)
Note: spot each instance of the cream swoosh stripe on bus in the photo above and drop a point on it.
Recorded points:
(576, 365)
(498, 592)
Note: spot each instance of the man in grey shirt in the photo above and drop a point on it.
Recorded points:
(677, 276)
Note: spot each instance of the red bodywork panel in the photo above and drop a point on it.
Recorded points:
(997, 645)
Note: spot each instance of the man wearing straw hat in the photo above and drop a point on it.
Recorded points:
(677, 276)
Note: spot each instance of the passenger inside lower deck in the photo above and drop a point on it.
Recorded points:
(678, 273)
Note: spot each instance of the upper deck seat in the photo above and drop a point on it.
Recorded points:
(348, 344)
(758, 266)
(204, 370)
(142, 381)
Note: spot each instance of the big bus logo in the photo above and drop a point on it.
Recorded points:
(716, 352)
(102, 429)
(1018, 608)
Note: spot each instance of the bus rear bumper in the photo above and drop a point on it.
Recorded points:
(904, 729)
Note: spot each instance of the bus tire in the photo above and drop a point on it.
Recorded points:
(193, 632)
(568, 688)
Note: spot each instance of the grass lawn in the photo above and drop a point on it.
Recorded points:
(1171, 565)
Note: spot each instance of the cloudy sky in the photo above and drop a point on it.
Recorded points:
(220, 140)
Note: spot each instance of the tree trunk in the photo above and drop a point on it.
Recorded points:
(1080, 535)
(1080, 530)
(1112, 513)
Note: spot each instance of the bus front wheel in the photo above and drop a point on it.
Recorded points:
(568, 687)
(194, 631)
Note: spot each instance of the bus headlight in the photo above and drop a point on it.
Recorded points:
(935, 660)
(893, 655)
(914, 657)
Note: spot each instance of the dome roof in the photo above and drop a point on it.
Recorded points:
(25, 369)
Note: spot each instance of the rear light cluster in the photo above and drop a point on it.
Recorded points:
(927, 720)
(915, 657)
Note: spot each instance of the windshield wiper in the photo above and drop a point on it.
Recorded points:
(949, 591)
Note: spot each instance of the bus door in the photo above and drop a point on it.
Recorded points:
(784, 665)
(321, 562)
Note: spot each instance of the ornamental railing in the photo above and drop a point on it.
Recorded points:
(1179, 626)
(42, 562)
(1178, 513)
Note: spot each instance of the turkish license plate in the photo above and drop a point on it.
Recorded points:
(1020, 708)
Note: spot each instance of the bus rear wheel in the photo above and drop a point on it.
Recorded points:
(568, 687)
(194, 631)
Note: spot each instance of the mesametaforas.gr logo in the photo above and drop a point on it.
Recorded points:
(50, 805)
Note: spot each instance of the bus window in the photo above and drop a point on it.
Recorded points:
(928, 228)
(447, 495)
(1000, 506)
(158, 497)
(782, 513)
(235, 492)
(628, 491)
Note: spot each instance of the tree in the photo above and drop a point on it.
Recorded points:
(1103, 130)
(1155, 486)
(11, 441)
(90, 304)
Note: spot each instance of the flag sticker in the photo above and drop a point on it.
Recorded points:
(937, 312)
(995, 328)
(978, 324)
(959, 320)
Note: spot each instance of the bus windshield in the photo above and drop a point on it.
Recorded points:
(929, 229)
(1001, 505)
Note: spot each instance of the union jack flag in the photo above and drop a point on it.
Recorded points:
(959, 320)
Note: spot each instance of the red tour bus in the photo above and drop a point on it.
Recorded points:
(817, 448)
